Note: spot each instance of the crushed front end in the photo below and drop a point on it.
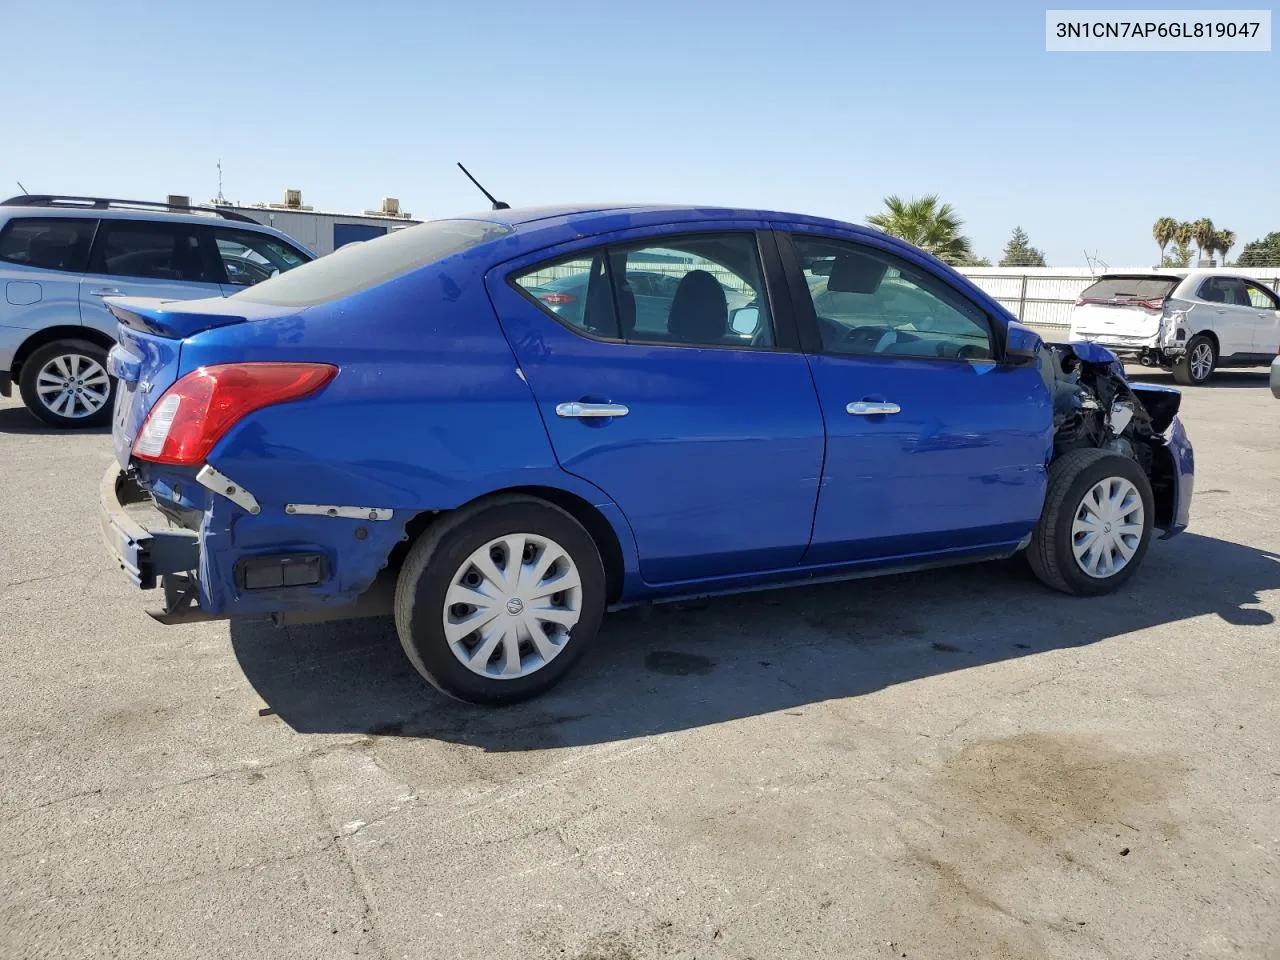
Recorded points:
(1095, 406)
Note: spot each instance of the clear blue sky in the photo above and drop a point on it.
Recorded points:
(818, 107)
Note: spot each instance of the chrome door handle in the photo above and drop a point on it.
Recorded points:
(579, 409)
(870, 408)
(106, 292)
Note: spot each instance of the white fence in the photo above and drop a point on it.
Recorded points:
(1044, 296)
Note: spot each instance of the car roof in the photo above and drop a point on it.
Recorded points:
(160, 216)
(602, 217)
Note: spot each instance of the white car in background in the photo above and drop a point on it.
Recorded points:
(1191, 322)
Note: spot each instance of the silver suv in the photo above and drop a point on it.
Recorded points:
(60, 256)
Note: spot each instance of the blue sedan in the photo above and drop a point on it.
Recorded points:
(407, 426)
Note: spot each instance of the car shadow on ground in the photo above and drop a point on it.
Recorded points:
(22, 420)
(1259, 379)
(692, 664)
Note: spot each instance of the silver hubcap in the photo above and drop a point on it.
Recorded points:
(1201, 361)
(73, 385)
(1108, 527)
(511, 606)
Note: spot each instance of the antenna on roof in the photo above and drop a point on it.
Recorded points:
(497, 204)
(21, 187)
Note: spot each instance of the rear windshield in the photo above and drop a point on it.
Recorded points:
(1130, 288)
(358, 266)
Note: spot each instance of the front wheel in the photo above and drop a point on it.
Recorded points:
(1096, 524)
(1196, 366)
(66, 384)
(496, 603)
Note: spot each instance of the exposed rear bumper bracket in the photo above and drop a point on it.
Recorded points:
(138, 536)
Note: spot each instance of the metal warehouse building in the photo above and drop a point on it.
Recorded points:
(323, 232)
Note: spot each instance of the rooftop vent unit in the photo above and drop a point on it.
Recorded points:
(178, 201)
(390, 208)
(292, 201)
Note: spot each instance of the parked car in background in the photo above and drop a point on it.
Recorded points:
(409, 426)
(1190, 322)
(60, 257)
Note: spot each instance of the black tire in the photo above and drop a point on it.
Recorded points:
(1184, 371)
(37, 361)
(1071, 476)
(438, 556)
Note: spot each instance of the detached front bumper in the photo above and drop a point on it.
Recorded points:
(145, 543)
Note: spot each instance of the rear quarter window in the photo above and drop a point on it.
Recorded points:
(359, 266)
(51, 243)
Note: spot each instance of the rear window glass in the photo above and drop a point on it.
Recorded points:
(1130, 288)
(358, 266)
(50, 243)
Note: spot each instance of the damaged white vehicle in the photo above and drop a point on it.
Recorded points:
(1189, 322)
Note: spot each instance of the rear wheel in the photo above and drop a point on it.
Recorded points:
(1096, 524)
(1196, 366)
(497, 603)
(66, 384)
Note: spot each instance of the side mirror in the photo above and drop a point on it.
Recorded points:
(1022, 346)
(745, 320)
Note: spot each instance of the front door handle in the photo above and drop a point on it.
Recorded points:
(871, 408)
(106, 292)
(579, 409)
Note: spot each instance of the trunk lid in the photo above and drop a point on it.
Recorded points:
(1122, 309)
(1123, 321)
(145, 359)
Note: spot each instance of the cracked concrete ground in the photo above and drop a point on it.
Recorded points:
(954, 764)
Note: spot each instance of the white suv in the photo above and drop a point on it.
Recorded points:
(1191, 322)
(60, 256)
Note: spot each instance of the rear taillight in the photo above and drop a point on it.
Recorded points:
(1151, 304)
(200, 408)
(556, 299)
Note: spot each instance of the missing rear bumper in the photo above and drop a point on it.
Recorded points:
(145, 544)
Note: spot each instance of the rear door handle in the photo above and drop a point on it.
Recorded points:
(579, 409)
(871, 408)
(106, 292)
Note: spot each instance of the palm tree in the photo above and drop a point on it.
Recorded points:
(930, 225)
(1204, 234)
(1226, 239)
(1162, 232)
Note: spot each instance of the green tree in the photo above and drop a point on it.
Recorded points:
(927, 223)
(1179, 257)
(1204, 233)
(1185, 233)
(1019, 252)
(1163, 231)
(1225, 240)
(1264, 252)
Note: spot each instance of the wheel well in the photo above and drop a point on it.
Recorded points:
(1210, 335)
(49, 334)
(581, 510)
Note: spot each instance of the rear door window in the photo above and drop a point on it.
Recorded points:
(153, 251)
(703, 290)
(50, 243)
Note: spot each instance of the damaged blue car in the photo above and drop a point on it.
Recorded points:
(418, 426)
